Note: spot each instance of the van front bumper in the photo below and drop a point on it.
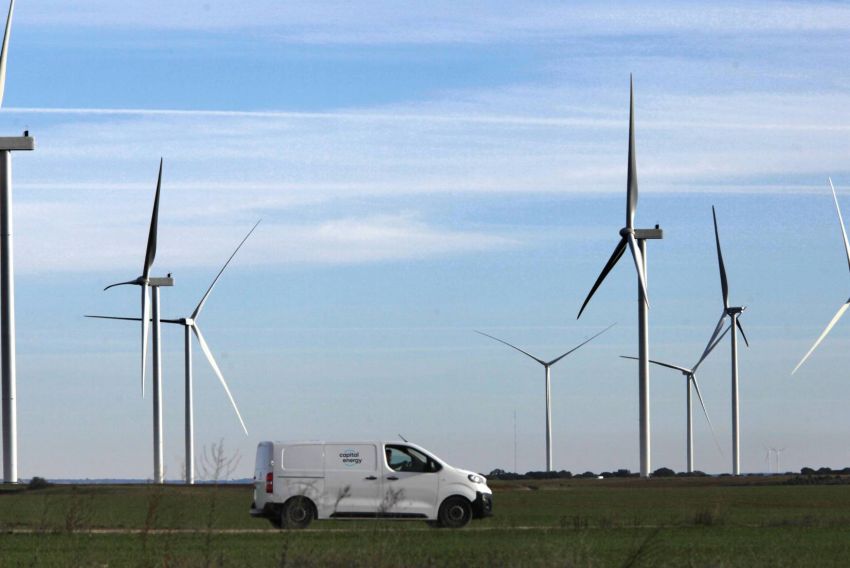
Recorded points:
(483, 505)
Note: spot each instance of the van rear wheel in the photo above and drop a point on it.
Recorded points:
(455, 512)
(297, 513)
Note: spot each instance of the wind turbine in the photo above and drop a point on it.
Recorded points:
(547, 366)
(768, 452)
(691, 380)
(145, 281)
(778, 452)
(635, 240)
(190, 325)
(846, 304)
(8, 367)
(733, 313)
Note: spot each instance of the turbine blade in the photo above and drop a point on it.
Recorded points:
(631, 180)
(114, 318)
(146, 317)
(586, 341)
(638, 258)
(150, 253)
(200, 305)
(5, 50)
(205, 348)
(135, 282)
(714, 335)
(710, 348)
(741, 329)
(724, 285)
(829, 327)
(512, 347)
(705, 411)
(133, 319)
(618, 252)
(660, 363)
(841, 221)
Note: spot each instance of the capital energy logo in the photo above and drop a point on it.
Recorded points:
(350, 457)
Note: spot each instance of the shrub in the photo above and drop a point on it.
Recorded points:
(663, 472)
(38, 483)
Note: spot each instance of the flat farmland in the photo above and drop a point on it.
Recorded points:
(751, 521)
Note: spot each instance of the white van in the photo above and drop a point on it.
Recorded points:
(295, 483)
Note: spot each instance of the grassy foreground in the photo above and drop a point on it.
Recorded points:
(631, 522)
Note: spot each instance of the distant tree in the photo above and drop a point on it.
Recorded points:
(622, 473)
(824, 471)
(663, 472)
(38, 483)
(587, 474)
(807, 471)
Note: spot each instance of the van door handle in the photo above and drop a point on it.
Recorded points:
(392, 478)
(371, 478)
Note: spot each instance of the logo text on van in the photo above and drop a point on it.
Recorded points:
(350, 457)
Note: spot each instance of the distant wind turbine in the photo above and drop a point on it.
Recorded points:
(733, 313)
(635, 240)
(190, 325)
(846, 304)
(768, 453)
(547, 365)
(691, 379)
(778, 452)
(145, 281)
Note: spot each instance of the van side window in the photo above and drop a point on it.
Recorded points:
(405, 458)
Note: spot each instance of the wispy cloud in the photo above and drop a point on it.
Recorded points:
(309, 174)
(345, 240)
(441, 21)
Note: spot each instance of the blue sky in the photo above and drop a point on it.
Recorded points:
(423, 171)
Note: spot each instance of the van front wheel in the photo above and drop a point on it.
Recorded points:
(297, 513)
(455, 512)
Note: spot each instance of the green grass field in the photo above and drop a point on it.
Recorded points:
(612, 522)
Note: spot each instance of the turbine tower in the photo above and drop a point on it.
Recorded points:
(733, 313)
(190, 325)
(846, 304)
(635, 240)
(691, 380)
(547, 366)
(8, 367)
(145, 281)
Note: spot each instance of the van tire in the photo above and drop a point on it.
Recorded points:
(455, 512)
(297, 513)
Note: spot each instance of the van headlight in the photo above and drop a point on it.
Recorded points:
(475, 478)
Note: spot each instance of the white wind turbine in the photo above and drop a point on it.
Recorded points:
(691, 384)
(145, 281)
(547, 365)
(846, 304)
(8, 365)
(768, 457)
(733, 313)
(778, 452)
(190, 326)
(635, 240)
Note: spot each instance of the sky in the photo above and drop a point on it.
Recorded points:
(423, 171)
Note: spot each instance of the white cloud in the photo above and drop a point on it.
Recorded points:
(309, 175)
(345, 240)
(442, 21)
